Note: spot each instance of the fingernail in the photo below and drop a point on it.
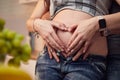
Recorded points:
(63, 28)
(58, 51)
(65, 56)
(84, 58)
(71, 51)
(57, 60)
(84, 51)
(68, 49)
(50, 57)
(73, 59)
(62, 49)
(68, 54)
(66, 29)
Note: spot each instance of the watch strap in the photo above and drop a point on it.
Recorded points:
(102, 26)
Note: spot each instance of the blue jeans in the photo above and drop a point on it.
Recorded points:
(93, 68)
(113, 66)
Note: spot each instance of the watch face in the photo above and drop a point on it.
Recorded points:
(102, 23)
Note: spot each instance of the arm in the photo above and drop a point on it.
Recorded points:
(118, 1)
(46, 28)
(86, 30)
(40, 9)
(113, 22)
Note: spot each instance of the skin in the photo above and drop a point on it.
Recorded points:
(77, 36)
(67, 32)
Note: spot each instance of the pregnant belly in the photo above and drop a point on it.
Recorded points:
(70, 17)
(67, 17)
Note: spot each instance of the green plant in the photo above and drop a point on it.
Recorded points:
(2, 23)
(11, 44)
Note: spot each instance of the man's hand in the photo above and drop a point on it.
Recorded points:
(82, 37)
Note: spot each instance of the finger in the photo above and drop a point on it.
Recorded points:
(55, 56)
(52, 53)
(71, 40)
(72, 28)
(86, 46)
(77, 55)
(50, 40)
(49, 51)
(85, 56)
(52, 43)
(75, 42)
(77, 47)
(86, 49)
(58, 41)
(64, 54)
(59, 25)
(55, 45)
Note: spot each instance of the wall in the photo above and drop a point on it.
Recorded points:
(16, 14)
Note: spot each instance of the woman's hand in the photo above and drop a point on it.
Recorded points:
(54, 54)
(82, 36)
(46, 29)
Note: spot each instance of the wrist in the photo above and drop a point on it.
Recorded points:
(95, 20)
(102, 26)
(35, 25)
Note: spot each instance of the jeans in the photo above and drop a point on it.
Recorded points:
(93, 68)
(113, 68)
(32, 40)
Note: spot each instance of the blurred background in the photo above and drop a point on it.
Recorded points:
(16, 13)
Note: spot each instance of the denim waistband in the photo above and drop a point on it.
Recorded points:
(91, 57)
(114, 56)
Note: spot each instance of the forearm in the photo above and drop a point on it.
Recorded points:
(40, 9)
(113, 22)
(118, 1)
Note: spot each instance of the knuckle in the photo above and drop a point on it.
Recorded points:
(46, 35)
(50, 32)
(53, 46)
(59, 25)
(77, 33)
(43, 38)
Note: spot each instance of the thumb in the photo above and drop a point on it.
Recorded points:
(59, 26)
(73, 27)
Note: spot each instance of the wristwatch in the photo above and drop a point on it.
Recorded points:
(102, 26)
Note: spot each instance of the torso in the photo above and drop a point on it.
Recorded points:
(70, 12)
(99, 47)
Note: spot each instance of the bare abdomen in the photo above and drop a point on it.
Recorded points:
(70, 17)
